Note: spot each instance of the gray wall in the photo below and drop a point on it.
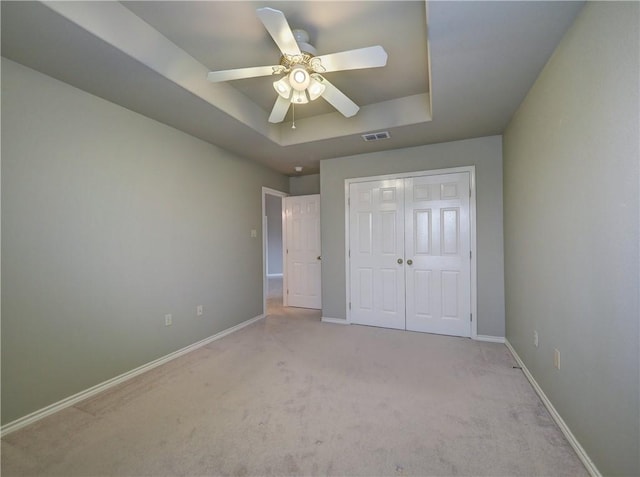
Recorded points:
(109, 221)
(273, 211)
(571, 232)
(304, 185)
(484, 153)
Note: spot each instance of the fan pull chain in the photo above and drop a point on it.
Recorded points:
(293, 110)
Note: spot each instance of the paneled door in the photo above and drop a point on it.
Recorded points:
(303, 251)
(437, 252)
(376, 223)
(409, 253)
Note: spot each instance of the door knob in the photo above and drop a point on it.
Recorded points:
(400, 261)
(318, 257)
(409, 262)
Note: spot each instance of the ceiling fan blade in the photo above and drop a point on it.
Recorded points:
(370, 57)
(276, 24)
(279, 110)
(240, 73)
(337, 98)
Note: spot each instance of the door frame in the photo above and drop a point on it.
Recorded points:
(265, 283)
(472, 224)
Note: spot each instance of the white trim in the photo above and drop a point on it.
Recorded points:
(404, 175)
(336, 321)
(347, 258)
(274, 275)
(472, 226)
(490, 339)
(474, 252)
(265, 285)
(98, 388)
(582, 454)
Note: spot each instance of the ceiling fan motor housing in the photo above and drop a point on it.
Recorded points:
(306, 56)
(302, 39)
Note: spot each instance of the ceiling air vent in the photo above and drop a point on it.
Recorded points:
(376, 136)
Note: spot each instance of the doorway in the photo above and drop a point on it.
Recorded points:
(272, 249)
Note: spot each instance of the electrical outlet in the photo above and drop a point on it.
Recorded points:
(168, 320)
(556, 359)
(199, 310)
(254, 233)
(535, 338)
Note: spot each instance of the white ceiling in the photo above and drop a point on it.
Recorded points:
(456, 70)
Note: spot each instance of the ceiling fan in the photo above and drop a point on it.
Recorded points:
(301, 68)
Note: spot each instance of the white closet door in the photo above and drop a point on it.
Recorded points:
(437, 252)
(409, 248)
(303, 251)
(376, 248)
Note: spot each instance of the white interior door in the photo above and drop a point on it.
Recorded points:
(437, 252)
(303, 251)
(376, 249)
(409, 253)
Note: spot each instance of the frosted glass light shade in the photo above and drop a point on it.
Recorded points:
(299, 78)
(282, 87)
(315, 89)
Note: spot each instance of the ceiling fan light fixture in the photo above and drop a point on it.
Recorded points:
(316, 88)
(299, 78)
(283, 87)
(299, 97)
(300, 67)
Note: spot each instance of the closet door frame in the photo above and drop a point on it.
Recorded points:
(472, 218)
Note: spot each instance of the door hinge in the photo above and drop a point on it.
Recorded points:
(287, 291)
(349, 305)
(470, 316)
(349, 253)
(469, 192)
(348, 200)
(469, 254)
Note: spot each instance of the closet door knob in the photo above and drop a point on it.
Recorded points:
(400, 261)
(409, 262)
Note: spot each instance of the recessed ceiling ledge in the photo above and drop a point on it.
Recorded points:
(384, 115)
(119, 27)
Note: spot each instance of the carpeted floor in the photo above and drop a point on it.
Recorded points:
(289, 395)
(274, 294)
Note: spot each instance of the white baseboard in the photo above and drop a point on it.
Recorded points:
(490, 339)
(337, 321)
(582, 454)
(98, 388)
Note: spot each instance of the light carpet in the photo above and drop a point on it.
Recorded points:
(274, 294)
(289, 395)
